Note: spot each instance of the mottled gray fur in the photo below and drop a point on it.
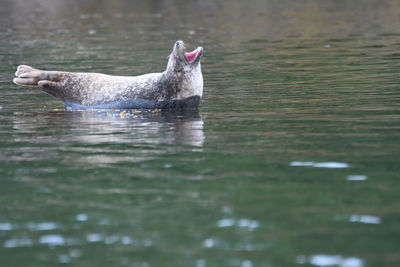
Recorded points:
(181, 79)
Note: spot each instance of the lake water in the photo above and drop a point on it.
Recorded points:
(291, 160)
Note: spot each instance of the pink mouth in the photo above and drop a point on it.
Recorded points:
(191, 56)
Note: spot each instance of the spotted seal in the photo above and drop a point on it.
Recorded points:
(180, 86)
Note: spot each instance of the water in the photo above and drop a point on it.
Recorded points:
(292, 158)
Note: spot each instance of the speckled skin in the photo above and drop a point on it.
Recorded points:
(180, 80)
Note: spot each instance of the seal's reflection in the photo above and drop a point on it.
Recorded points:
(185, 128)
(117, 127)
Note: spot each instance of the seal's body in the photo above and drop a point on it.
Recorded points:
(180, 86)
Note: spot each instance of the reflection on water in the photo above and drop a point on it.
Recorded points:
(106, 126)
(359, 218)
(330, 260)
(18, 242)
(81, 217)
(330, 165)
(82, 132)
(356, 178)
(53, 240)
(368, 219)
(246, 224)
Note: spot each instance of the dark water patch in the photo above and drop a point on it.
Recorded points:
(389, 34)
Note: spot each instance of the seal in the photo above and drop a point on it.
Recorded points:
(180, 86)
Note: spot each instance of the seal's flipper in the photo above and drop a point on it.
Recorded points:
(23, 68)
(27, 76)
(53, 88)
(48, 81)
(28, 82)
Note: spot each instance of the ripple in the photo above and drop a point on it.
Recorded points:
(301, 163)
(42, 226)
(94, 238)
(201, 263)
(108, 240)
(209, 243)
(246, 263)
(147, 242)
(330, 260)
(52, 240)
(368, 219)
(247, 224)
(81, 217)
(247, 246)
(75, 253)
(356, 178)
(63, 258)
(32, 226)
(226, 223)
(18, 242)
(6, 226)
(167, 166)
(251, 225)
(329, 165)
(127, 240)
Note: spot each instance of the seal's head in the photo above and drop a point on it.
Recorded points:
(186, 66)
(180, 58)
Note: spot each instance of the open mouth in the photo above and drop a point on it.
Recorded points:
(192, 56)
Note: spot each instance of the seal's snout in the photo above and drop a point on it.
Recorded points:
(179, 44)
(193, 56)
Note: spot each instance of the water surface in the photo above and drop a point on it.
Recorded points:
(292, 158)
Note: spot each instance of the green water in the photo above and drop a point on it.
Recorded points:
(291, 160)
